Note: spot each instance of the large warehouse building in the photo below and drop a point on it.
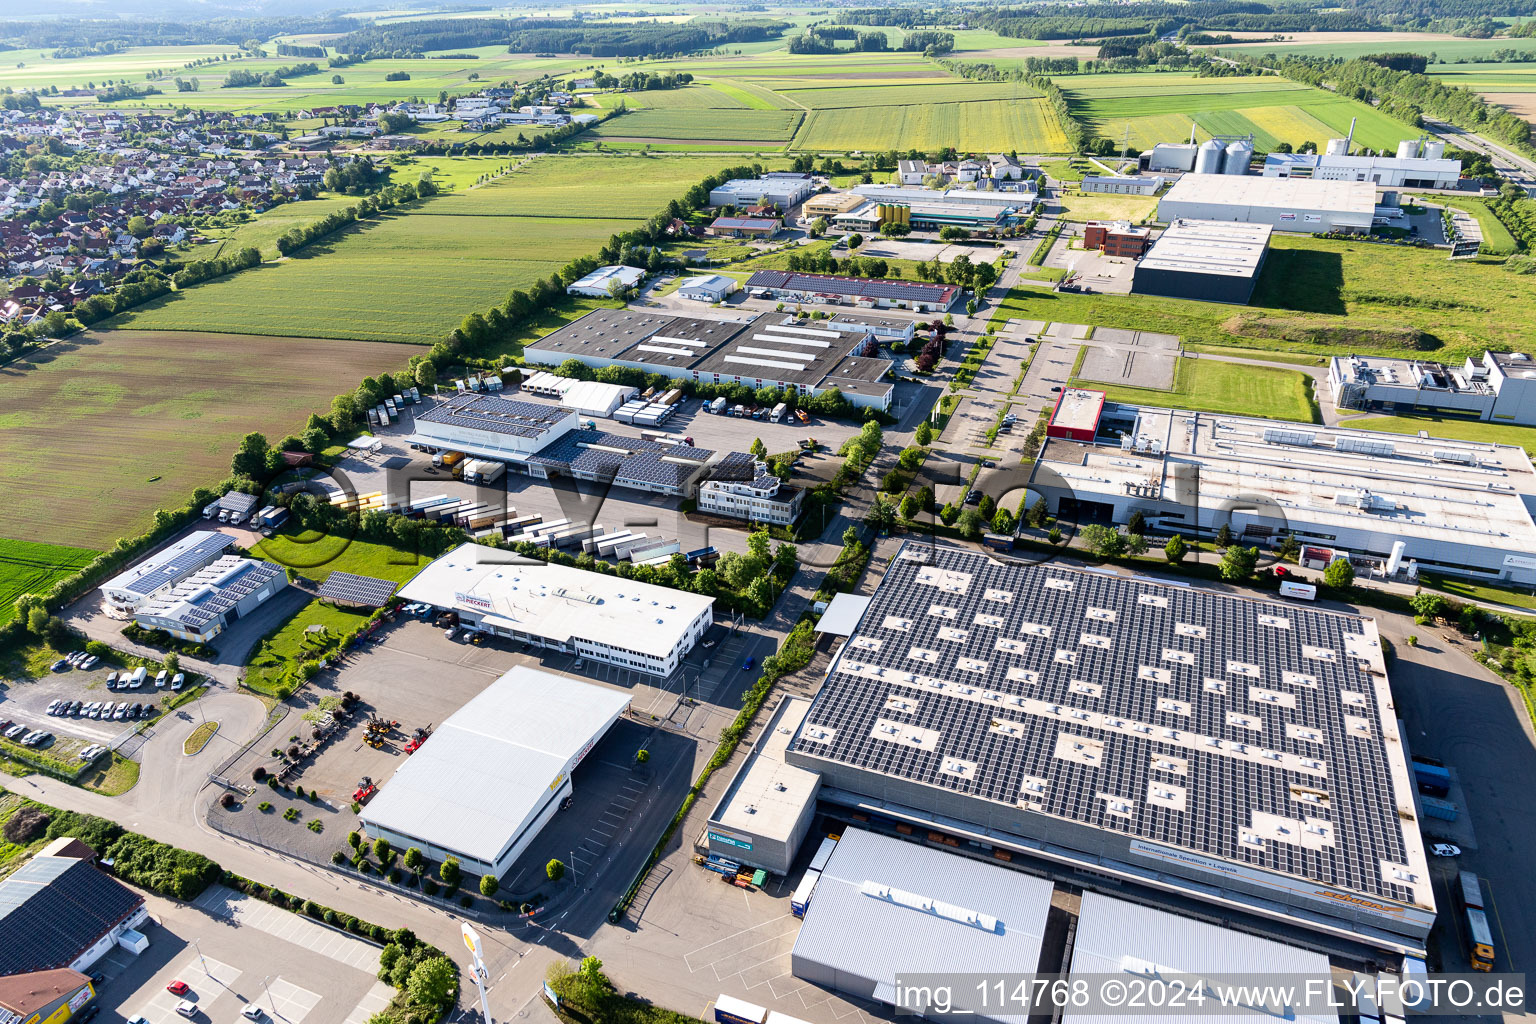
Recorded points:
(634, 625)
(203, 604)
(766, 811)
(1416, 165)
(1394, 503)
(123, 594)
(1213, 261)
(1285, 204)
(1495, 387)
(774, 350)
(884, 908)
(492, 776)
(1230, 751)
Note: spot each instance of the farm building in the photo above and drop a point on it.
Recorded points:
(1285, 204)
(1393, 503)
(488, 780)
(124, 593)
(1212, 261)
(634, 625)
(792, 286)
(767, 350)
(598, 283)
(1497, 386)
(707, 288)
(200, 606)
(1121, 186)
(780, 189)
(1096, 726)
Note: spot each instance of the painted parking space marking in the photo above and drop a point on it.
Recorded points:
(373, 1001)
(248, 912)
(206, 978)
(285, 1002)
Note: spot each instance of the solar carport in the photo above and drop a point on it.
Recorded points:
(885, 908)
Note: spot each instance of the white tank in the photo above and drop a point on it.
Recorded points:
(1408, 149)
(1338, 147)
(1434, 150)
(1239, 156)
(1208, 160)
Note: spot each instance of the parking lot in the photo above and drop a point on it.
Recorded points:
(232, 952)
(26, 703)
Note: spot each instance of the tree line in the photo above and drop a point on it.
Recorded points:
(240, 78)
(296, 238)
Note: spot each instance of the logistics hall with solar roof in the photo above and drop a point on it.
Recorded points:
(1129, 734)
(767, 350)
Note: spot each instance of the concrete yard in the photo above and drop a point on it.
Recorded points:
(295, 969)
(1136, 368)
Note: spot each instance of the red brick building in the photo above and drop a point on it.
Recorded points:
(1117, 238)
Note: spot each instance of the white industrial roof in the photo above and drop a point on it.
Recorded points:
(842, 616)
(1342, 197)
(599, 278)
(1078, 409)
(596, 398)
(767, 796)
(885, 907)
(709, 281)
(1432, 488)
(556, 601)
(1228, 248)
(1128, 940)
(484, 774)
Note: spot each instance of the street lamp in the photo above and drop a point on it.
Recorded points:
(478, 971)
(201, 958)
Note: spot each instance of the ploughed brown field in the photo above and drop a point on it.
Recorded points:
(98, 431)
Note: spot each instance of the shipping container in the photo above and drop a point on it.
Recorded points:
(1436, 772)
(1434, 807)
(803, 893)
(730, 1010)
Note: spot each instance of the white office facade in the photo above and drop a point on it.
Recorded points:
(633, 625)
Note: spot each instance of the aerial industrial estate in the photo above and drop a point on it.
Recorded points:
(770, 516)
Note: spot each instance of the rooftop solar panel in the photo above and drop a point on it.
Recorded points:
(353, 589)
(1232, 727)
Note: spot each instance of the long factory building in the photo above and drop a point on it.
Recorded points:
(768, 350)
(1394, 503)
(1191, 746)
(1285, 204)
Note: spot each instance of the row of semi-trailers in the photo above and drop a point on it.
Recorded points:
(730, 1010)
(484, 519)
(388, 411)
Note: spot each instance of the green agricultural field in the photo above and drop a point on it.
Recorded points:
(100, 430)
(1455, 429)
(35, 69)
(897, 95)
(699, 96)
(1322, 297)
(413, 276)
(29, 568)
(1210, 386)
(1026, 125)
(1155, 107)
(723, 125)
(1398, 42)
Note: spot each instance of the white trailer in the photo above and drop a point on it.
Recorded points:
(778, 412)
(666, 548)
(717, 406)
(1300, 591)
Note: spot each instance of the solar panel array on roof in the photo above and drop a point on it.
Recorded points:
(353, 589)
(475, 411)
(206, 546)
(1237, 728)
(909, 291)
(625, 460)
(55, 908)
(212, 591)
